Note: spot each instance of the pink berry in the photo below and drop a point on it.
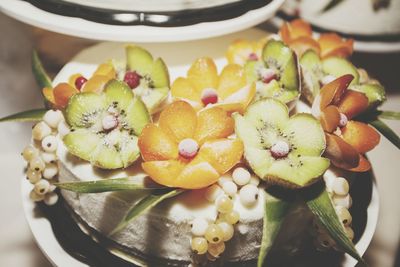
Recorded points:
(188, 148)
(267, 75)
(79, 82)
(209, 96)
(280, 149)
(253, 57)
(132, 78)
(343, 120)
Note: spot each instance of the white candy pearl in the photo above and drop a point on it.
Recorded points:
(349, 232)
(37, 164)
(52, 188)
(213, 192)
(50, 171)
(48, 157)
(248, 195)
(40, 131)
(50, 199)
(340, 186)
(230, 188)
(30, 152)
(227, 229)
(199, 226)
(188, 148)
(344, 201)
(63, 129)
(344, 215)
(53, 118)
(35, 196)
(33, 176)
(224, 179)
(254, 180)
(343, 120)
(42, 187)
(241, 176)
(49, 143)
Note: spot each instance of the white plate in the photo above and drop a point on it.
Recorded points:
(27, 13)
(178, 57)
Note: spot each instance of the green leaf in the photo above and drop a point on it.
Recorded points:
(26, 116)
(41, 77)
(331, 4)
(323, 209)
(389, 115)
(108, 185)
(275, 213)
(144, 205)
(386, 131)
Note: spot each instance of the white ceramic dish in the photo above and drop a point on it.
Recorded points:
(178, 57)
(28, 13)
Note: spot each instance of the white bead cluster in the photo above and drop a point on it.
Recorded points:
(338, 189)
(41, 157)
(209, 237)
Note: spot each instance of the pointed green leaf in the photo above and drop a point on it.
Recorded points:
(144, 205)
(275, 213)
(108, 185)
(386, 131)
(42, 78)
(26, 116)
(323, 209)
(389, 115)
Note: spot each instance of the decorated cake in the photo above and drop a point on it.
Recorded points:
(246, 164)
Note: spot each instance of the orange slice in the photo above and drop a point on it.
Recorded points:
(353, 103)
(341, 154)
(330, 118)
(238, 52)
(182, 88)
(295, 29)
(203, 74)
(62, 93)
(363, 166)
(333, 45)
(73, 78)
(164, 172)
(49, 95)
(361, 136)
(154, 144)
(213, 123)
(178, 120)
(95, 84)
(106, 69)
(333, 91)
(222, 154)
(304, 43)
(231, 79)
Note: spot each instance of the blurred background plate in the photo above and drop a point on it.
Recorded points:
(142, 21)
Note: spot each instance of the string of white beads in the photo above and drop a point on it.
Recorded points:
(42, 159)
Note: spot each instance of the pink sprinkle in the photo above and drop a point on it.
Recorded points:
(209, 96)
(188, 148)
(253, 57)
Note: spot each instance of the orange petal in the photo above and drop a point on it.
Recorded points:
(361, 136)
(164, 172)
(178, 120)
(363, 166)
(333, 91)
(222, 154)
(95, 84)
(154, 144)
(48, 94)
(182, 88)
(330, 118)
(238, 102)
(353, 103)
(341, 154)
(232, 79)
(73, 78)
(295, 29)
(238, 52)
(197, 174)
(203, 74)
(304, 43)
(333, 45)
(213, 123)
(62, 93)
(106, 69)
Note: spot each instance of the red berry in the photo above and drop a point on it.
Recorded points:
(132, 78)
(79, 82)
(253, 57)
(268, 75)
(209, 96)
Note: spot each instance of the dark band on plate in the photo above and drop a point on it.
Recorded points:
(160, 19)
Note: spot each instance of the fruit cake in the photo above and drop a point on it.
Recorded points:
(233, 164)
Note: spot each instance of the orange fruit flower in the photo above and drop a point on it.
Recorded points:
(347, 140)
(241, 51)
(203, 86)
(163, 146)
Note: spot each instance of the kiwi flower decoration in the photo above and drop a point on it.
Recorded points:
(189, 149)
(104, 126)
(347, 140)
(241, 51)
(203, 86)
(298, 35)
(281, 149)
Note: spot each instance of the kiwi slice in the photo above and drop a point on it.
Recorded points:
(154, 82)
(104, 127)
(311, 70)
(337, 66)
(282, 61)
(374, 92)
(266, 124)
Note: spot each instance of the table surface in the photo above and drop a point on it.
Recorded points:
(18, 92)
